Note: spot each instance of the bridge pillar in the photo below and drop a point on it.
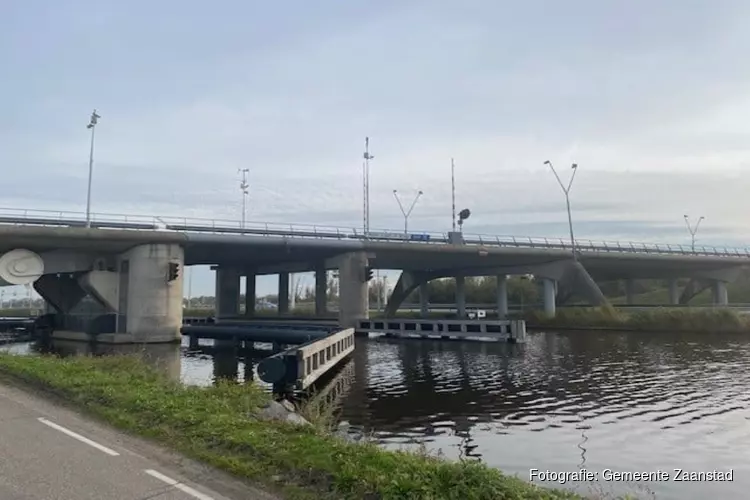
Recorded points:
(629, 291)
(321, 287)
(354, 301)
(424, 299)
(250, 293)
(151, 302)
(461, 295)
(549, 296)
(502, 295)
(674, 292)
(721, 297)
(283, 307)
(227, 292)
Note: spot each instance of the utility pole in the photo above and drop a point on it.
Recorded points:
(566, 190)
(244, 187)
(693, 230)
(92, 125)
(366, 185)
(453, 194)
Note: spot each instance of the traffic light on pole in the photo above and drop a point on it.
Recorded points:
(368, 273)
(174, 271)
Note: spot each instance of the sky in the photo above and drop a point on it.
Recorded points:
(650, 99)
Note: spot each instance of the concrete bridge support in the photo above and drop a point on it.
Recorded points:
(250, 293)
(424, 299)
(549, 291)
(148, 302)
(321, 287)
(461, 295)
(283, 307)
(720, 295)
(61, 291)
(674, 293)
(136, 299)
(354, 301)
(629, 291)
(502, 295)
(227, 292)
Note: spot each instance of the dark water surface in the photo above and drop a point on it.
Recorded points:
(627, 402)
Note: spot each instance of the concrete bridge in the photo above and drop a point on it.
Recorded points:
(132, 267)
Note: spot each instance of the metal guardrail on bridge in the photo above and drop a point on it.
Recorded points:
(225, 226)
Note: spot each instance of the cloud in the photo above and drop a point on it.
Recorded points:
(647, 97)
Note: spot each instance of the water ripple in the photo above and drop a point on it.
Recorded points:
(563, 401)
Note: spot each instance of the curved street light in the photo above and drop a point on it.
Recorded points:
(406, 213)
(693, 230)
(92, 125)
(566, 190)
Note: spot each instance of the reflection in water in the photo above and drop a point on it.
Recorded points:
(563, 401)
(629, 402)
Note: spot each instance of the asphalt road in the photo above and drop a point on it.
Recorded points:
(48, 452)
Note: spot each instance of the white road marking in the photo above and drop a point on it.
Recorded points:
(182, 487)
(77, 436)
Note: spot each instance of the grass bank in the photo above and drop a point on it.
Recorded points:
(219, 426)
(707, 320)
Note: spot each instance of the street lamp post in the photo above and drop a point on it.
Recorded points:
(566, 190)
(406, 212)
(366, 186)
(244, 186)
(693, 230)
(92, 125)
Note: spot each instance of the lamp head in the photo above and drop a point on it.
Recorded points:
(547, 162)
(574, 166)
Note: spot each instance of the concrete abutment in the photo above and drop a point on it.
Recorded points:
(140, 302)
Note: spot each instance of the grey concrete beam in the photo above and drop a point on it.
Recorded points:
(62, 291)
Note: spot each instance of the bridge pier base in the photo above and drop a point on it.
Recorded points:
(549, 296)
(354, 301)
(424, 299)
(227, 292)
(461, 295)
(629, 291)
(250, 294)
(227, 297)
(153, 303)
(674, 293)
(283, 306)
(721, 297)
(321, 288)
(502, 296)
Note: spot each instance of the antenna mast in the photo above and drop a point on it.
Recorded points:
(244, 187)
(453, 193)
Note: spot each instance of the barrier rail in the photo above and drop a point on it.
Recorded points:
(226, 226)
(513, 330)
(301, 366)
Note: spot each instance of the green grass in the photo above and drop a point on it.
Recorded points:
(710, 320)
(218, 425)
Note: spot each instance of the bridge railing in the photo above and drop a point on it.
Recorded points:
(301, 366)
(228, 226)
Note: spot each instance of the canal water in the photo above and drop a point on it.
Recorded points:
(561, 402)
